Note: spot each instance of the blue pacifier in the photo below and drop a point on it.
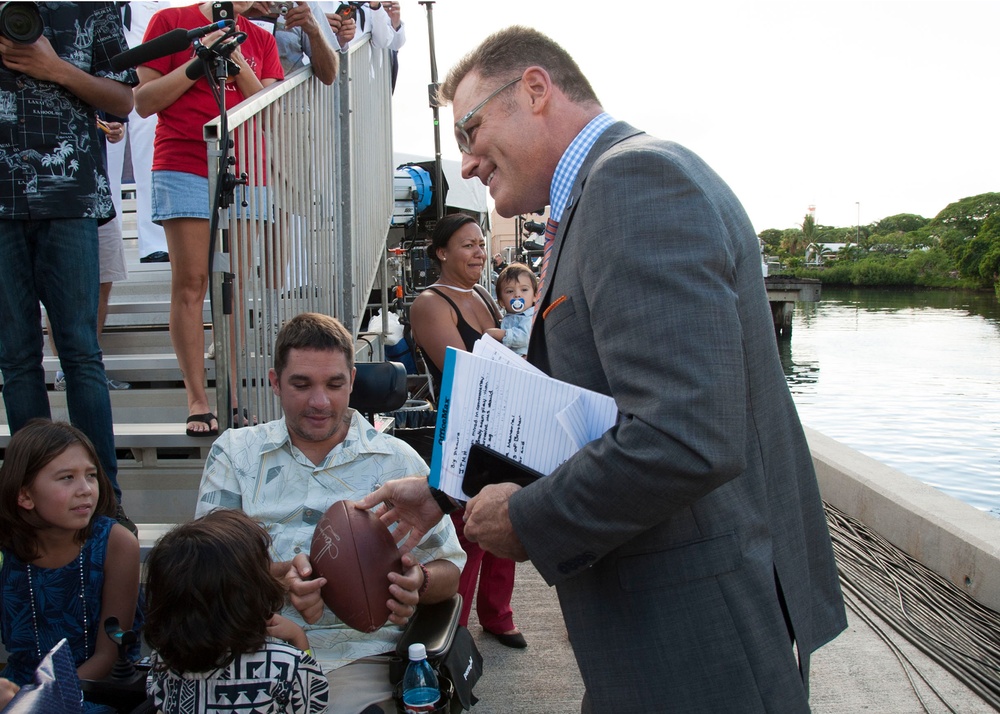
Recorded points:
(517, 304)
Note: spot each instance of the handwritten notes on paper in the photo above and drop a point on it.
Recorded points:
(493, 397)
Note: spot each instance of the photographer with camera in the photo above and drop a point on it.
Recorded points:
(303, 35)
(56, 73)
(379, 19)
(386, 25)
(342, 20)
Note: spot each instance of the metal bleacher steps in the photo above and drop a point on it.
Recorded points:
(159, 464)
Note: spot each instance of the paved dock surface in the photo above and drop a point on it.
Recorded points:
(857, 672)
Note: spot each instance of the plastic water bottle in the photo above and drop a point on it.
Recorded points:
(420, 684)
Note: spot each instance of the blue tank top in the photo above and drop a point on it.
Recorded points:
(59, 611)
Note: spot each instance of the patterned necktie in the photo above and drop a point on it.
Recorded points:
(550, 235)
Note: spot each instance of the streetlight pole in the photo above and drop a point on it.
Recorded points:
(857, 239)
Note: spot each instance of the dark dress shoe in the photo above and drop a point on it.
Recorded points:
(158, 256)
(515, 640)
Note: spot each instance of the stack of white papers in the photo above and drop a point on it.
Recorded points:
(493, 397)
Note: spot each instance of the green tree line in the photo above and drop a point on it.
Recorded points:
(958, 248)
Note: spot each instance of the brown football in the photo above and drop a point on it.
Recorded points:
(355, 553)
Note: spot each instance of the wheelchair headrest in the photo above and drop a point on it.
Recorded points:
(379, 387)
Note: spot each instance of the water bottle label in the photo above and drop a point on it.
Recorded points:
(421, 700)
(419, 708)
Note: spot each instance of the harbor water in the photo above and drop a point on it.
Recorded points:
(908, 377)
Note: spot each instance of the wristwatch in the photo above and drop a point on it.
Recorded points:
(444, 502)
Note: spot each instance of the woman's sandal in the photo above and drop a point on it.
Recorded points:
(206, 418)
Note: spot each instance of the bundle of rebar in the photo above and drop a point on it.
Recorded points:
(936, 616)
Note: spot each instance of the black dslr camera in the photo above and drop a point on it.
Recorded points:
(20, 22)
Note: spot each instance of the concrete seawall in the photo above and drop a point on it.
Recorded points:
(955, 540)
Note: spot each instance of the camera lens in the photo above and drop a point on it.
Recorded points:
(20, 22)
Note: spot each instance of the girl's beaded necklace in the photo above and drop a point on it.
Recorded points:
(34, 614)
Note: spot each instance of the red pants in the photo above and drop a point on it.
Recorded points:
(496, 584)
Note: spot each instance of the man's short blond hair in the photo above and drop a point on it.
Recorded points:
(509, 52)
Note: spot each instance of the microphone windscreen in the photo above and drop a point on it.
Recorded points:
(195, 70)
(166, 44)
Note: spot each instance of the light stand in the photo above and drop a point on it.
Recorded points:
(215, 66)
(432, 90)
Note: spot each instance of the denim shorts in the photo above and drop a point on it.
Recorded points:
(177, 194)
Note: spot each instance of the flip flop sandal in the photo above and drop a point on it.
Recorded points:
(205, 418)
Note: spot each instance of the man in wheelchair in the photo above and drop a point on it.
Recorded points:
(286, 473)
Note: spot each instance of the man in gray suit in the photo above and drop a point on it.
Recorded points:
(688, 544)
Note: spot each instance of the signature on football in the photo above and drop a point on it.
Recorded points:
(329, 540)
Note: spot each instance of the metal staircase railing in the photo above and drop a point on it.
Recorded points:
(314, 231)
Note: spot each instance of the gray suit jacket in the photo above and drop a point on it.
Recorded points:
(685, 538)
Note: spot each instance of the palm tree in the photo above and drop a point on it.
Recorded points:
(791, 241)
(64, 150)
(51, 160)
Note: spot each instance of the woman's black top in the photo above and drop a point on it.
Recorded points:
(467, 332)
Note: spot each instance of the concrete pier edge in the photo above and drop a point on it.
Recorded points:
(952, 538)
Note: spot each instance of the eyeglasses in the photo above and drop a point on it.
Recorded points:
(461, 135)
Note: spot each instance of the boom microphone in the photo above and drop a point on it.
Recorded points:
(166, 44)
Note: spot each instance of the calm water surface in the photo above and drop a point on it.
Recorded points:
(911, 378)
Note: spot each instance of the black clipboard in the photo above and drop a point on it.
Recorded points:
(486, 466)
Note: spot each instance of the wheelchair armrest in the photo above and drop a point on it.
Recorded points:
(434, 625)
